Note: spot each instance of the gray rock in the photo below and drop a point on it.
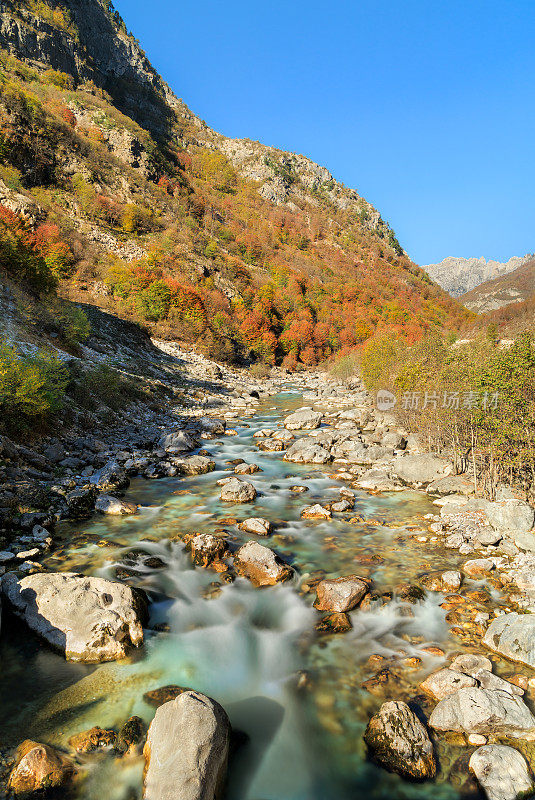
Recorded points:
(469, 663)
(307, 451)
(177, 442)
(256, 525)
(421, 468)
(261, 565)
(212, 426)
(86, 618)
(112, 478)
(303, 419)
(399, 741)
(235, 491)
(107, 504)
(501, 771)
(511, 515)
(340, 594)
(451, 484)
(485, 711)
(186, 751)
(445, 682)
(194, 465)
(513, 636)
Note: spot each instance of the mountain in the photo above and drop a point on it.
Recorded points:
(137, 206)
(459, 275)
(514, 287)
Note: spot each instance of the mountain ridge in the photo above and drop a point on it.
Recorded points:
(458, 275)
(156, 208)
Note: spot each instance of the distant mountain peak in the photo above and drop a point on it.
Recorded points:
(459, 275)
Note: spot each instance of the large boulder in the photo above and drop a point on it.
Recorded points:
(340, 594)
(186, 751)
(38, 768)
(399, 741)
(511, 515)
(421, 468)
(513, 636)
(501, 771)
(261, 565)
(86, 618)
(307, 451)
(236, 491)
(489, 712)
(303, 419)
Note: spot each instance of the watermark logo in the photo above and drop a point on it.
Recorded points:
(385, 400)
(453, 401)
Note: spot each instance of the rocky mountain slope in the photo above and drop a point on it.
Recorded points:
(459, 275)
(513, 287)
(137, 206)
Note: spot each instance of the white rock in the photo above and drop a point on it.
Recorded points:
(501, 771)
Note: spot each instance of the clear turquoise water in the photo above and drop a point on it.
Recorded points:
(245, 646)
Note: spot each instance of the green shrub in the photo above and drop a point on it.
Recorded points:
(31, 386)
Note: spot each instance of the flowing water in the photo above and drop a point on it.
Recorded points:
(297, 739)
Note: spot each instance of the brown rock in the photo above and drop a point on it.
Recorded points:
(93, 739)
(334, 623)
(38, 767)
(157, 697)
(340, 594)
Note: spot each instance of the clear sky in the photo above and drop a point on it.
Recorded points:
(425, 107)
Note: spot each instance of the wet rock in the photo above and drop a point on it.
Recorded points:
(261, 565)
(299, 489)
(187, 750)
(164, 694)
(86, 618)
(340, 594)
(81, 502)
(378, 480)
(421, 468)
(315, 512)
(470, 663)
(271, 445)
(257, 525)
(194, 465)
(484, 711)
(409, 593)
(38, 767)
(478, 567)
(131, 737)
(336, 622)
(445, 682)
(246, 469)
(206, 549)
(399, 742)
(443, 581)
(501, 771)
(236, 491)
(303, 419)
(307, 451)
(94, 739)
(107, 504)
(345, 504)
(513, 636)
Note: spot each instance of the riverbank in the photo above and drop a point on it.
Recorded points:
(343, 492)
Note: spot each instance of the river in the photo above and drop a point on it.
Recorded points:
(294, 697)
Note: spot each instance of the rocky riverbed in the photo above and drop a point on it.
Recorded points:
(288, 577)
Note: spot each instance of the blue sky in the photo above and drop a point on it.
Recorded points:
(425, 107)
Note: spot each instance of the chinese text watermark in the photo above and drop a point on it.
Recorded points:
(453, 401)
